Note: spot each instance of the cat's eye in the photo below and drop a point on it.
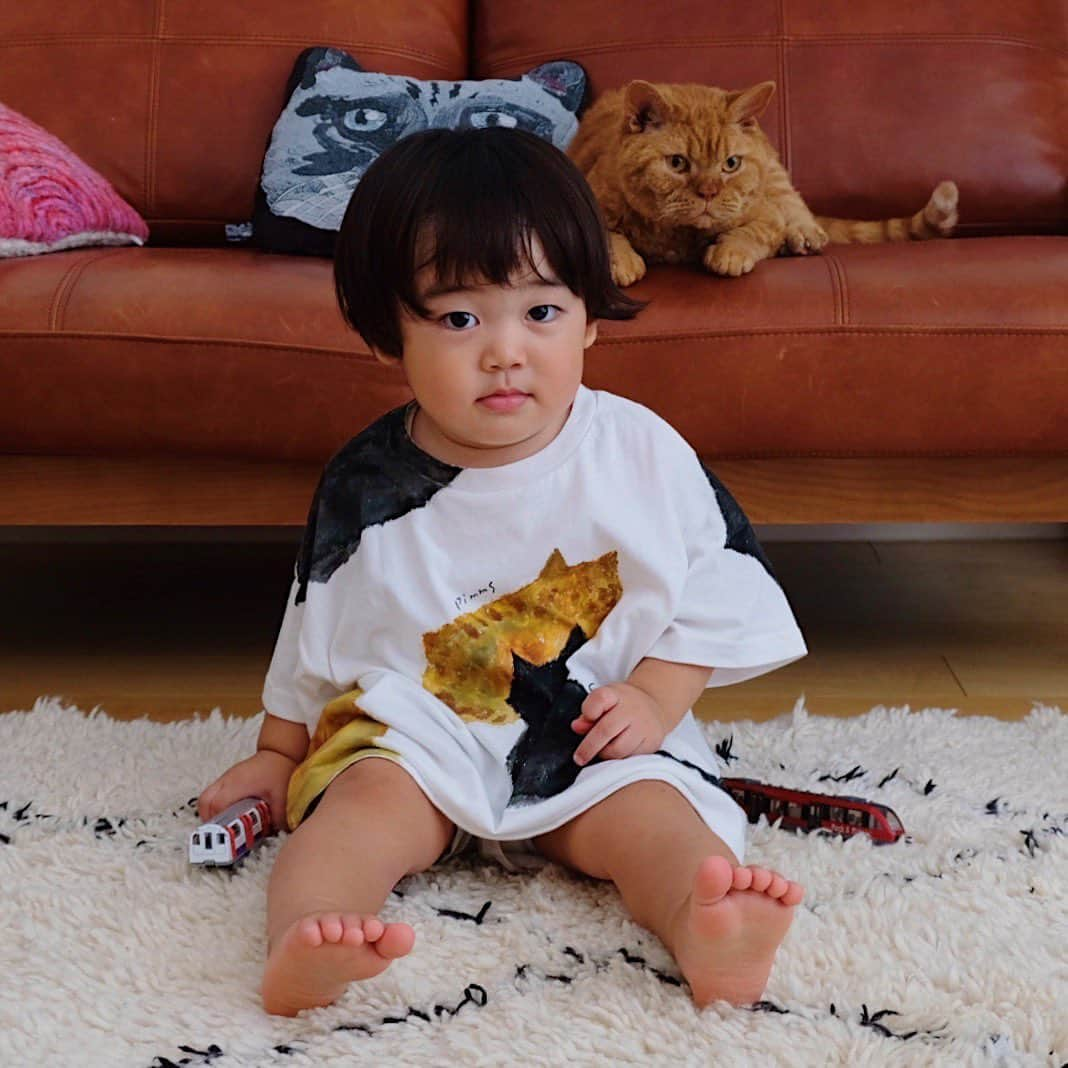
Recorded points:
(679, 163)
(480, 120)
(732, 163)
(364, 120)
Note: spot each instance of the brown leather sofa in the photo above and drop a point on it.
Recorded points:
(191, 382)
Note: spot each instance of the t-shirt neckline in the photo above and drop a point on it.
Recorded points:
(510, 475)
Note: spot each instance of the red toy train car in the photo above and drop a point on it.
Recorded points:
(232, 834)
(802, 811)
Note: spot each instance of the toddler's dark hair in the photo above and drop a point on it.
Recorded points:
(468, 201)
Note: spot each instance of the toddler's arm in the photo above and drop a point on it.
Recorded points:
(635, 716)
(281, 746)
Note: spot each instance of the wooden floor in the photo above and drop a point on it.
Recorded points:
(170, 630)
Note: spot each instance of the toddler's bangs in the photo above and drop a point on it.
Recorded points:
(511, 203)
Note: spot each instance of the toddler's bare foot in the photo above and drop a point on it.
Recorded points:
(316, 958)
(727, 931)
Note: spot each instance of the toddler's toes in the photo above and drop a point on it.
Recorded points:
(332, 927)
(373, 928)
(743, 878)
(309, 933)
(761, 880)
(353, 934)
(396, 940)
(778, 885)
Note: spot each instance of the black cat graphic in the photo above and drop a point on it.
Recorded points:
(542, 762)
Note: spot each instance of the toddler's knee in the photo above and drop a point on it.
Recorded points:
(377, 798)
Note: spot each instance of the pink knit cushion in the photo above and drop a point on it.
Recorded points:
(51, 200)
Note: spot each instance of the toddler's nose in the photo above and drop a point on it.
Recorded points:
(502, 355)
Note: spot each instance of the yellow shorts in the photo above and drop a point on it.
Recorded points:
(345, 736)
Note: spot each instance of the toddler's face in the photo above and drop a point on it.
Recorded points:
(496, 368)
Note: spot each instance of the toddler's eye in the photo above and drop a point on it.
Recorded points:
(679, 163)
(549, 311)
(732, 163)
(449, 319)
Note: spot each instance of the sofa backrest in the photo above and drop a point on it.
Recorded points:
(173, 101)
(877, 101)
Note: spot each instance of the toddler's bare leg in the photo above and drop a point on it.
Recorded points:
(373, 826)
(722, 922)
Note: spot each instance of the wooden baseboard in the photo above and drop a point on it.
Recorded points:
(206, 491)
(908, 490)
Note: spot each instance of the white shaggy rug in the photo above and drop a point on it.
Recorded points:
(949, 947)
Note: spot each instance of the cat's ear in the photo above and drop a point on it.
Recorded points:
(564, 79)
(744, 106)
(643, 107)
(312, 61)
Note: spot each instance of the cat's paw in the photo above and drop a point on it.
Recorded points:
(730, 259)
(806, 237)
(627, 266)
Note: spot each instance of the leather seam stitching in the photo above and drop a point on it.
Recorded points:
(245, 40)
(153, 107)
(784, 109)
(835, 289)
(65, 289)
(603, 342)
(840, 275)
(769, 41)
(844, 455)
(59, 296)
(851, 331)
(853, 454)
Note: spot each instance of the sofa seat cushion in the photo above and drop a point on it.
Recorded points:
(928, 349)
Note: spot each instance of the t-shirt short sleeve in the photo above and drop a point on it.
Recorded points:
(296, 687)
(732, 614)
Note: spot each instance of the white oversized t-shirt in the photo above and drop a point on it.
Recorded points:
(475, 608)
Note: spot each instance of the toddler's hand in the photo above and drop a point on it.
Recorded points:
(618, 720)
(264, 774)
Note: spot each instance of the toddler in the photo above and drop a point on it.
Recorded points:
(509, 594)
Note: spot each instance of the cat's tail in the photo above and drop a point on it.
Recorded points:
(937, 219)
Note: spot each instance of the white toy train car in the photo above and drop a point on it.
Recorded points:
(232, 835)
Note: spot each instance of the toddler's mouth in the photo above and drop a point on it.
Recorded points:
(504, 400)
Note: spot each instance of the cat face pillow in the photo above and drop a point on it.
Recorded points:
(339, 118)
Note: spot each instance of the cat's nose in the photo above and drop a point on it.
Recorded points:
(709, 189)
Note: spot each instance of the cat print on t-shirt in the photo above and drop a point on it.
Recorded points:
(507, 660)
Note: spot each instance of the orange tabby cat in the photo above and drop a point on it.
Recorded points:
(684, 174)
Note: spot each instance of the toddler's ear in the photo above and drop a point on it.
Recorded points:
(382, 357)
(591, 333)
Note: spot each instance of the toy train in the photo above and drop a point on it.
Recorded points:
(236, 831)
(232, 834)
(802, 811)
